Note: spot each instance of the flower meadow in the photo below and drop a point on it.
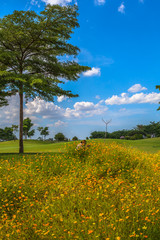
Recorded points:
(105, 192)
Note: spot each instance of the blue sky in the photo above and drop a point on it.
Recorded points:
(120, 41)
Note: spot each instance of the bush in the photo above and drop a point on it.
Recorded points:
(148, 136)
(139, 136)
(59, 137)
(127, 137)
(74, 138)
(133, 137)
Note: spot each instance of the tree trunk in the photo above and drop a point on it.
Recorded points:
(21, 123)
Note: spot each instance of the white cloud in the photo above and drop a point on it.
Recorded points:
(60, 123)
(121, 8)
(92, 72)
(100, 2)
(61, 98)
(10, 112)
(45, 109)
(136, 98)
(48, 110)
(60, 2)
(136, 88)
(85, 109)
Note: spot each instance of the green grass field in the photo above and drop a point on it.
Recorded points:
(150, 145)
(33, 146)
(105, 192)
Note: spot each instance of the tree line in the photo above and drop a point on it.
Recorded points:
(9, 133)
(139, 132)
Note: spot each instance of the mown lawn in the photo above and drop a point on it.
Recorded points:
(33, 146)
(104, 192)
(150, 145)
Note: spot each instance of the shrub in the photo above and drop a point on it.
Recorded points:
(74, 138)
(59, 137)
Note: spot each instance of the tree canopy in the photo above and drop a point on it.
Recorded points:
(6, 134)
(33, 55)
(27, 125)
(59, 137)
(43, 131)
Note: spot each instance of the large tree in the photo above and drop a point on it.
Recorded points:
(33, 49)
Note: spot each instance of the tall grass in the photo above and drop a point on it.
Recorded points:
(104, 192)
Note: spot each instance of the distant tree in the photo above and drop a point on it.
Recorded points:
(59, 137)
(31, 133)
(139, 132)
(2, 134)
(15, 129)
(7, 134)
(151, 129)
(27, 125)
(45, 132)
(40, 139)
(74, 138)
(31, 49)
(8, 131)
(97, 134)
(40, 130)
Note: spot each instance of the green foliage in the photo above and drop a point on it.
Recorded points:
(27, 125)
(30, 47)
(74, 138)
(7, 134)
(33, 55)
(137, 133)
(43, 131)
(15, 128)
(31, 133)
(97, 134)
(152, 128)
(59, 137)
(3, 93)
